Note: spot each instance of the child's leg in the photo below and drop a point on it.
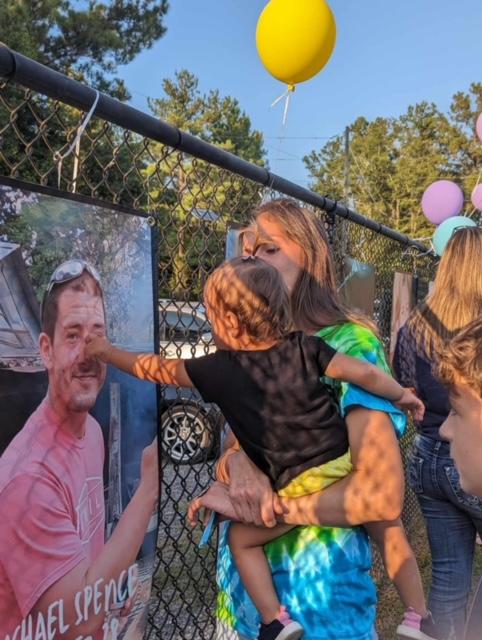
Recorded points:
(400, 563)
(246, 543)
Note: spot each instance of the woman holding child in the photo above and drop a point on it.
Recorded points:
(269, 381)
(321, 571)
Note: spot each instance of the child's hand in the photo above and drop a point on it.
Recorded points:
(97, 348)
(410, 402)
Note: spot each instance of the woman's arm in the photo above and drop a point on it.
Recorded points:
(250, 492)
(372, 492)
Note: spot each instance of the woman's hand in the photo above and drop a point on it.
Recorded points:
(216, 498)
(250, 493)
(372, 492)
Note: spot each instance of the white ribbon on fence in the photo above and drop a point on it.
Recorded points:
(60, 157)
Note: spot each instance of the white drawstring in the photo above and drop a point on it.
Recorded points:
(58, 157)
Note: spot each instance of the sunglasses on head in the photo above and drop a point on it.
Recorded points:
(69, 270)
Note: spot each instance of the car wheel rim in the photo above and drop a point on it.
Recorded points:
(184, 434)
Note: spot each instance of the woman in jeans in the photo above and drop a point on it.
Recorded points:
(453, 517)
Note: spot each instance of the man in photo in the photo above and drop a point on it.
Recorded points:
(51, 479)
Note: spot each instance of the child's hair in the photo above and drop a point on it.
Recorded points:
(255, 292)
(461, 359)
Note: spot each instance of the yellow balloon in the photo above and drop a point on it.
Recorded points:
(295, 38)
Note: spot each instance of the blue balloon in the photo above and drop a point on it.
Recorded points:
(444, 231)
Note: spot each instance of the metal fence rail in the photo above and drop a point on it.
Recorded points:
(194, 192)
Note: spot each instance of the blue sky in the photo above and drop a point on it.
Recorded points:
(389, 54)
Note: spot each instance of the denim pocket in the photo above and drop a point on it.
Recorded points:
(465, 499)
(415, 464)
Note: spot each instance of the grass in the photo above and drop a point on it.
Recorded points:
(390, 609)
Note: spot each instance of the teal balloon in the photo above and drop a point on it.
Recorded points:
(444, 231)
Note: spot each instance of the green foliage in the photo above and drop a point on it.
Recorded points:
(52, 230)
(182, 189)
(215, 119)
(88, 39)
(393, 160)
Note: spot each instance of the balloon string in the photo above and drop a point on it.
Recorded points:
(279, 98)
(286, 95)
(287, 106)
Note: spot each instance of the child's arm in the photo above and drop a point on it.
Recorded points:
(374, 380)
(146, 366)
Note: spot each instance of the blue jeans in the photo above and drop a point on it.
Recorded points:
(453, 518)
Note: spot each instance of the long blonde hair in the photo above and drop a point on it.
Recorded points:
(315, 302)
(456, 297)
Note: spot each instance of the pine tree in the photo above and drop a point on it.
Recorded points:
(89, 41)
(393, 161)
(196, 200)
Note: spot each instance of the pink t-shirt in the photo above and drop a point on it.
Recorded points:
(51, 510)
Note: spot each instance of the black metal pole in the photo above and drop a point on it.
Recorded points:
(33, 75)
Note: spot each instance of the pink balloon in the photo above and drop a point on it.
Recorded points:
(478, 127)
(476, 197)
(441, 200)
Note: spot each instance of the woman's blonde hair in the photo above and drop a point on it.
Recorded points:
(315, 302)
(456, 297)
(255, 292)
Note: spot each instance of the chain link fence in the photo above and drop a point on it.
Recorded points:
(192, 203)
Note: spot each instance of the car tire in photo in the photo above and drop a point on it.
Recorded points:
(189, 432)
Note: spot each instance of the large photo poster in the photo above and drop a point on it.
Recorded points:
(78, 455)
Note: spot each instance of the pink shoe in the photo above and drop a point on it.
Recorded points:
(281, 628)
(411, 626)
